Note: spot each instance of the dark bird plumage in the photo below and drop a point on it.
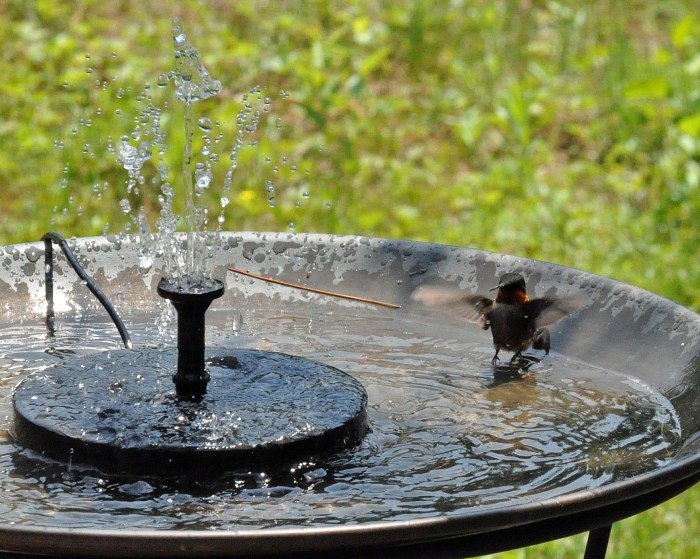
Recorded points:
(516, 321)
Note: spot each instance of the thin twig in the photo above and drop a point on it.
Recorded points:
(314, 290)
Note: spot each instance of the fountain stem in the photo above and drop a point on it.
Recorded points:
(191, 304)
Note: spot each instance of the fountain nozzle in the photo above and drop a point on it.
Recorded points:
(191, 302)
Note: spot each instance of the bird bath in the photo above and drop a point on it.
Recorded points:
(461, 458)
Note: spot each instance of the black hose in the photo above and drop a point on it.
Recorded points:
(52, 237)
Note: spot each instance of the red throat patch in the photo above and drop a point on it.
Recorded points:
(511, 296)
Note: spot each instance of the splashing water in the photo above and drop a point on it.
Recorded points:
(138, 140)
(192, 84)
(192, 80)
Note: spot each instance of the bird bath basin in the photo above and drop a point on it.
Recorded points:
(461, 458)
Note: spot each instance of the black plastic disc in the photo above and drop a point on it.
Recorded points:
(118, 410)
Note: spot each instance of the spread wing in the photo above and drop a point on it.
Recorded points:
(548, 310)
(472, 308)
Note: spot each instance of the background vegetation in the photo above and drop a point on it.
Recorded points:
(559, 130)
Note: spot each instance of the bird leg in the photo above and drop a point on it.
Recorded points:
(515, 357)
(495, 357)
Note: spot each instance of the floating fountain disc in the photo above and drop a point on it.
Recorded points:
(118, 410)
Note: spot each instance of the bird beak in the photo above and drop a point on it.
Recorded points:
(497, 287)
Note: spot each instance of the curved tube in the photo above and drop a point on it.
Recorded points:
(52, 237)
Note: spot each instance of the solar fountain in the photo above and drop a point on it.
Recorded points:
(312, 425)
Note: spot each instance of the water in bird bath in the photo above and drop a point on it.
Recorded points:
(447, 433)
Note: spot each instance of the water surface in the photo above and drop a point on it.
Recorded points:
(449, 433)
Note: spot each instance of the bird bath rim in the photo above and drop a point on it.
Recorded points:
(652, 316)
(410, 535)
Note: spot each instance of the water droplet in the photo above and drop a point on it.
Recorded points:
(204, 124)
(202, 176)
(163, 80)
(145, 264)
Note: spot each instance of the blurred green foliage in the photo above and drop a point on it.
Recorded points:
(558, 130)
(551, 130)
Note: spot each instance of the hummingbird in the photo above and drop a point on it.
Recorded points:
(516, 321)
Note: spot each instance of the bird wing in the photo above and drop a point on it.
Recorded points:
(548, 310)
(472, 308)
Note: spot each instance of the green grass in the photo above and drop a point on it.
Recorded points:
(563, 131)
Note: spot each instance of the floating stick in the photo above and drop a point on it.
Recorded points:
(314, 290)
